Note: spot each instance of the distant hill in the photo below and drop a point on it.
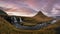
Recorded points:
(2, 12)
(58, 17)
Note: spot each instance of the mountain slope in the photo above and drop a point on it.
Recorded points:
(2, 12)
(40, 17)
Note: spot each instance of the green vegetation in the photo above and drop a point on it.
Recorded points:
(2, 12)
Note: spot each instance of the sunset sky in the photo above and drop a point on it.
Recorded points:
(30, 8)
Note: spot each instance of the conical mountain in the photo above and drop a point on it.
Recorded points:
(38, 18)
(40, 14)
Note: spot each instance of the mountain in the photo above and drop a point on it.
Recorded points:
(38, 18)
(6, 27)
(2, 12)
(40, 14)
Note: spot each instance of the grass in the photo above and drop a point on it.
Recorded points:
(7, 28)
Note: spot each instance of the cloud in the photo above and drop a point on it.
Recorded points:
(22, 11)
(17, 9)
(31, 6)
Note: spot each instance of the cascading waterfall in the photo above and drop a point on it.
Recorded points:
(36, 27)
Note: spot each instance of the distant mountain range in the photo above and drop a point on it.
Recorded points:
(58, 17)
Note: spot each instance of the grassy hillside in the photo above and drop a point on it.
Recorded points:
(7, 28)
(39, 18)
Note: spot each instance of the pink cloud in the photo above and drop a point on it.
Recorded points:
(29, 6)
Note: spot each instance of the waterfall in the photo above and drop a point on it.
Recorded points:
(15, 20)
(21, 20)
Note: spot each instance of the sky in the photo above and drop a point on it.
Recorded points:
(30, 8)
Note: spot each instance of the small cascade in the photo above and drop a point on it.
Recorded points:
(20, 20)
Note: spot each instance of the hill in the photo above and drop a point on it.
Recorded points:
(2, 12)
(7, 28)
(39, 18)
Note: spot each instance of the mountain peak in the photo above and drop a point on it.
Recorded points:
(40, 14)
(41, 17)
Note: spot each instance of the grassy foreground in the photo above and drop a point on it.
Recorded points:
(7, 28)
